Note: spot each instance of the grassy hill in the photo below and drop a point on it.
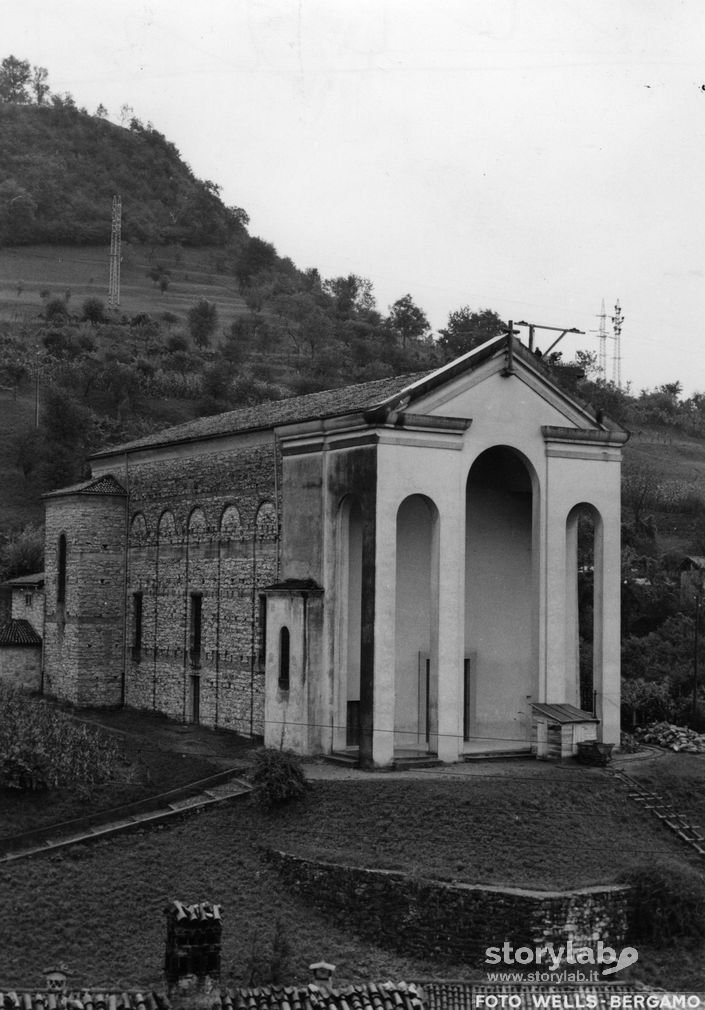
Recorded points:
(28, 271)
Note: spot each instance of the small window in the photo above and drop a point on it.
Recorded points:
(28, 599)
(195, 627)
(262, 633)
(284, 641)
(61, 571)
(137, 626)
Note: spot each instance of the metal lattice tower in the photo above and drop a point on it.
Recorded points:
(617, 320)
(602, 342)
(115, 254)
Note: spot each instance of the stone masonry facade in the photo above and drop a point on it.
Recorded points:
(190, 546)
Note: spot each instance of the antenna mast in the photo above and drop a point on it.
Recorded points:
(617, 320)
(602, 342)
(115, 254)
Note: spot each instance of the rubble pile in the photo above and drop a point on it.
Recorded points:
(678, 738)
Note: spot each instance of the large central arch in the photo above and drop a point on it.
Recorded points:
(501, 592)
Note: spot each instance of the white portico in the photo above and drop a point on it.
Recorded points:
(437, 565)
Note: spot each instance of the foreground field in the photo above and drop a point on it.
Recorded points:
(101, 907)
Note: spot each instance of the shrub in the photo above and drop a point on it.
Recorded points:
(278, 777)
(42, 748)
(666, 903)
(93, 310)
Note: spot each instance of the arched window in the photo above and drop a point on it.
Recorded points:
(284, 640)
(61, 571)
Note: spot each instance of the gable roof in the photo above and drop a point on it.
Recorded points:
(18, 632)
(374, 399)
(293, 409)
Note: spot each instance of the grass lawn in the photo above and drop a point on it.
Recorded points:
(100, 907)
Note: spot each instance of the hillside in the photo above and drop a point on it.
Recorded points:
(60, 168)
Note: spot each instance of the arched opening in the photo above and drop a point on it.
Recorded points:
(584, 606)
(501, 659)
(416, 626)
(349, 645)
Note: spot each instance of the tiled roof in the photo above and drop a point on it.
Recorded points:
(328, 403)
(364, 996)
(18, 632)
(368, 996)
(106, 485)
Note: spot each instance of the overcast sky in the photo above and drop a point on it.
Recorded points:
(533, 157)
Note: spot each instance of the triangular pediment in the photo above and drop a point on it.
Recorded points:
(499, 378)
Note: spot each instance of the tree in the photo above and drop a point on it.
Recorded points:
(23, 553)
(40, 87)
(467, 329)
(202, 321)
(15, 75)
(93, 310)
(351, 294)
(407, 321)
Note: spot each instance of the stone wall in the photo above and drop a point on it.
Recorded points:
(203, 524)
(454, 922)
(21, 666)
(84, 638)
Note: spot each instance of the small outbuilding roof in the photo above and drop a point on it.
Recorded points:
(562, 713)
(18, 632)
(106, 485)
(30, 581)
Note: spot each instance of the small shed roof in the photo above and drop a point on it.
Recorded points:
(30, 581)
(562, 713)
(18, 632)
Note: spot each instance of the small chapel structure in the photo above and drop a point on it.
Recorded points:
(384, 569)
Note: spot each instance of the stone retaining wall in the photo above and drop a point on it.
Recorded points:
(454, 922)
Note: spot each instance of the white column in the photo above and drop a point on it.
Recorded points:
(385, 645)
(607, 651)
(572, 630)
(555, 607)
(451, 628)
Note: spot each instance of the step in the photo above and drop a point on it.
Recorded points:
(501, 755)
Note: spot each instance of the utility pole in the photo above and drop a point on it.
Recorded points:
(115, 254)
(617, 320)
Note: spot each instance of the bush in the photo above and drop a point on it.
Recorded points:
(42, 748)
(666, 903)
(93, 310)
(278, 777)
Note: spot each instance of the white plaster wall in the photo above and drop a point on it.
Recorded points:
(354, 601)
(286, 712)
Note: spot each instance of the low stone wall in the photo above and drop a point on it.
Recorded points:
(455, 922)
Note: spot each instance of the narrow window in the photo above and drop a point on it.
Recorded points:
(195, 628)
(137, 626)
(28, 599)
(284, 659)
(262, 633)
(61, 576)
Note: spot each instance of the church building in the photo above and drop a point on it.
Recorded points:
(381, 570)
